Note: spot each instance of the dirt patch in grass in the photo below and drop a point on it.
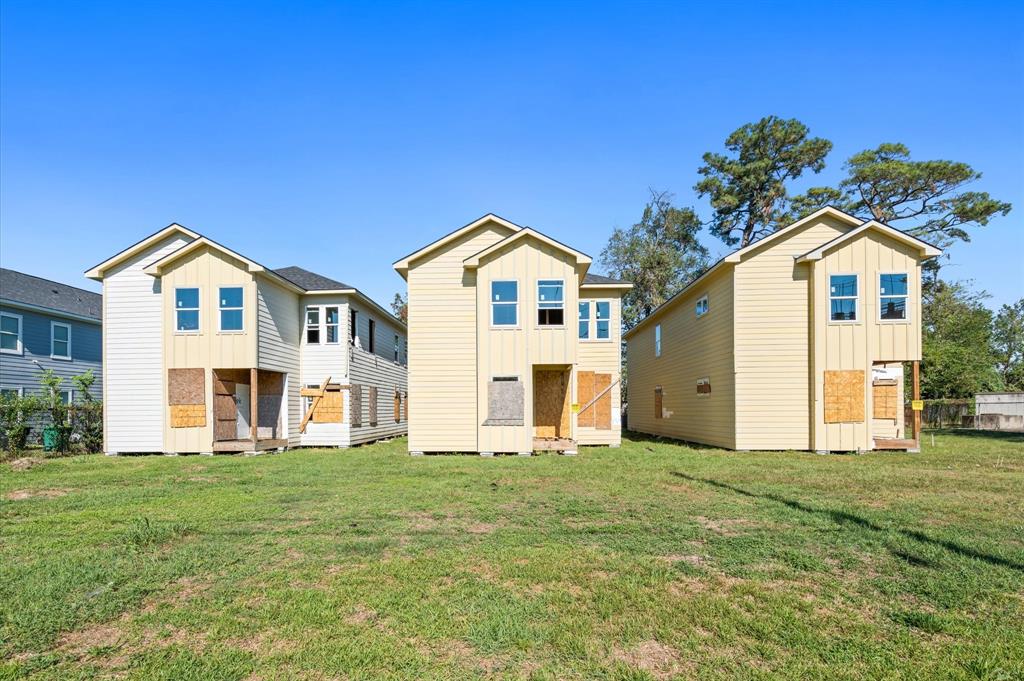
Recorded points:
(360, 615)
(727, 527)
(25, 463)
(674, 558)
(81, 641)
(22, 494)
(657, 659)
(481, 528)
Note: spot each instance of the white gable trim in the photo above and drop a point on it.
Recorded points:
(402, 265)
(473, 261)
(926, 249)
(98, 271)
(827, 210)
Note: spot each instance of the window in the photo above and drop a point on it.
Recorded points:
(60, 340)
(585, 320)
(398, 354)
(10, 333)
(67, 396)
(843, 297)
(604, 315)
(892, 296)
(307, 401)
(550, 302)
(353, 316)
(230, 308)
(312, 325)
(186, 310)
(371, 333)
(657, 340)
(704, 386)
(702, 306)
(504, 303)
(12, 392)
(331, 318)
(505, 400)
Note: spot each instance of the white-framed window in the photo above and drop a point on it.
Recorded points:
(657, 340)
(332, 319)
(186, 310)
(312, 325)
(603, 322)
(701, 308)
(550, 302)
(231, 308)
(703, 386)
(307, 401)
(67, 396)
(843, 296)
(892, 296)
(10, 333)
(584, 332)
(398, 348)
(12, 392)
(60, 340)
(505, 303)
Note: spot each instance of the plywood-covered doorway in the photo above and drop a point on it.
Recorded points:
(551, 402)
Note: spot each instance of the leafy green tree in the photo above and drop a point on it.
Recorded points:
(1008, 342)
(957, 353)
(16, 414)
(58, 410)
(87, 415)
(747, 186)
(925, 198)
(659, 255)
(400, 307)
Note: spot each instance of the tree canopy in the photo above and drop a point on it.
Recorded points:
(400, 307)
(957, 350)
(659, 255)
(1008, 343)
(747, 186)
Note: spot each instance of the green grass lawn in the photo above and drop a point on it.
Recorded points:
(655, 560)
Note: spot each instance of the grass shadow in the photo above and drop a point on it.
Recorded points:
(1010, 437)
(845, 517)
(641, 438)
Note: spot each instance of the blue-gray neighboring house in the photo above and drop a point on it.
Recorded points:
(47, 325)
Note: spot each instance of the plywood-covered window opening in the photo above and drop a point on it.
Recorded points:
(231, 308)
(843, 297)
(505, 400)
(701, 307)
(60, 340)
(332, 320)
(505, 303)
(398, 405)
(550, 302)
(892, 296)
(312, 325)
(186, 310)
(657, 340)
(356, 405)
(659, 404)
(372, 398)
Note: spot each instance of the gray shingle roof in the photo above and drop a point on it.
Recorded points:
(311, 281)
(601, 279)
(25, 288)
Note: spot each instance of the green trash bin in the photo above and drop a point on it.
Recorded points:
(49, 439)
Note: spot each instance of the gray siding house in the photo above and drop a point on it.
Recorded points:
(47, 325)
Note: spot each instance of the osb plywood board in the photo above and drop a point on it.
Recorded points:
(659, 410)
(356, 397)
(603, 407)
(372, 397)
(186, 386)
(270, 383)
(551, 404)
(584, 394)
(188, 415)
(844, 396)
(330, 407)
(884, 401)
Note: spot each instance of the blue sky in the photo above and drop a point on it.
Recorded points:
(339, 137)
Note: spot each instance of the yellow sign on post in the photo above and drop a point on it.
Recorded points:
(917, 405)
(575, 408)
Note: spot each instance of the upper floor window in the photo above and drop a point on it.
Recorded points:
(331, 317)
(550, 302)
(186, 310)
(892, 296)
(353, 317)
(843, 297)
(604, 316)
(657, 340)
(398, 354)
(504, 303)
(231, 308)
(10, 333)
(585, 320)
(702, 306)
(371, 333)
(312, 325)
(60, 340)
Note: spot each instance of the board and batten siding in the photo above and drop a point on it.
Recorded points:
(277, 349)
(372, 370)
(692, 348)
(208, 270)
(514, 351)
(603, 357)
(859, 345)
(442, 344)
(133, 364)
(772, 339)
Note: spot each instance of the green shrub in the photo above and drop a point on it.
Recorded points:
(87, 415)
(16, 412)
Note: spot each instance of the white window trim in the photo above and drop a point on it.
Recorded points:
(199, 311)
(220, 308)
(539, 301)
(657, 340)
(589, 320)
(20, 390)
(319, 326)
(20, 350)
(398, 349)
(878, 292)
(325, 325)
(53, 340)
(707, 306)
(856, 299)
(592, 321)
(490, 311)
(597, 319)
